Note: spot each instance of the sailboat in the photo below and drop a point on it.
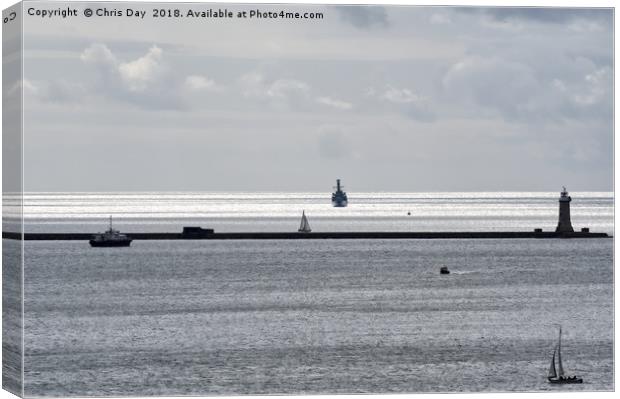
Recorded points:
(304, 227)
(556, 375)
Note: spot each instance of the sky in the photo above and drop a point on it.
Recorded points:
(390, 98)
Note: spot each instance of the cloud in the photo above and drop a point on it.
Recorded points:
(282, 94)
(284, 88)
(516, 19)
(144, 81)
(28, 87)
(52, 91)
(524, 92)
(287, 93)
(364, 17)
(137, 75)
(597, 86)
(555, 15)
(199, 83)
(491, 82)
(99, 54)
(400, 96)
(252, 84)
(403, 100)
(331, 102)
(141, 73)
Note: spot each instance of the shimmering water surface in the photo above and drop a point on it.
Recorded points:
(231, 212)
(315, 316)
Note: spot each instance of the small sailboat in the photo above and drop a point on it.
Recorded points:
(556, 375)
(304, 227)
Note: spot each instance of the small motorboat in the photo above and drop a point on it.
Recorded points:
(111, 238)
(444, 270)
(556, 375)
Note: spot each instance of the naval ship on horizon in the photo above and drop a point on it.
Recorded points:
(339, 197)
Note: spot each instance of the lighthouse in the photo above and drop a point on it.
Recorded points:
(564, 225)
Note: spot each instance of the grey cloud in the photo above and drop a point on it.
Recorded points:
(283, 88)
(403, 100)
(556, 15)
(334, 103)
(283, 94)
(255, 84)
(57, 91)
(288, 93)
(364, 17)
(491, 82)
(145, 81)
(518, 91)
(200, 83)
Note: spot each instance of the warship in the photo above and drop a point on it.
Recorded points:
(339, 197)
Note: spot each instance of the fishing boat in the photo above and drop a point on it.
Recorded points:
(110, 238)
(339, 197)
(304, 227)
(556, 375)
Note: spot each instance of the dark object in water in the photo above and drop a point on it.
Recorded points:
(111, 238)
(195, 232)
(408, 213)
(339, 197)
(556, 375)
(566, 380)
(444, 270)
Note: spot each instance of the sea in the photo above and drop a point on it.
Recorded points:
(229, 317)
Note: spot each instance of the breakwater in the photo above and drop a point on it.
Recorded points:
(310, 236)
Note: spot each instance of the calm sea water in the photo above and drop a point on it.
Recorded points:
(232, 212)
(315, 316)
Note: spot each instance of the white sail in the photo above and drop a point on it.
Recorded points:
(304, 227)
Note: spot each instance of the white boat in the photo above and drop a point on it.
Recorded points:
(556, 374)
(304, 227)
